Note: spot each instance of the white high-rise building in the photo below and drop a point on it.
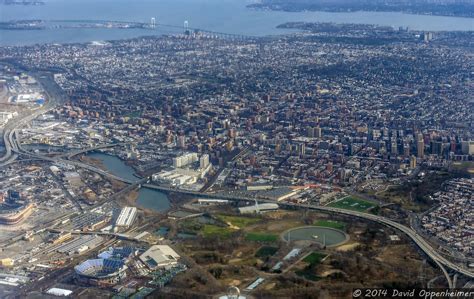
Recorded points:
(204, 161)
(184, 160)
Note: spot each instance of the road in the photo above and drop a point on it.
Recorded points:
(54, 96)
(417, 239)
(13, 148)
(413, 235)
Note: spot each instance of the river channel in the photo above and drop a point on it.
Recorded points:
(147, 198)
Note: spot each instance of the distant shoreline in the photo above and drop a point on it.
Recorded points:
(81, 24)
(457, 11)
(24, 3)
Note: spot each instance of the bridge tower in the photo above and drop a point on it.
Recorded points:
(186, 28)
(153, 23)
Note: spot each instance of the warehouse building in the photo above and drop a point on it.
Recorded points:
(263, 207)
(80, 245)
(126, 218)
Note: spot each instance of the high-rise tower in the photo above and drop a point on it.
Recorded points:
(420, 149)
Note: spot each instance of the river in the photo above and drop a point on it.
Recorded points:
(147, 198)
(229, 16)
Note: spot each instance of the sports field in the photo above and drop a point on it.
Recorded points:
(352, 203)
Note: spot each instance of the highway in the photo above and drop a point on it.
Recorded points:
(417, 239)
(413, 235)
(54, 96)
(13, 149)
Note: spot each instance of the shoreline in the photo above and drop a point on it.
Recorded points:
(268, 7)
(49, 36)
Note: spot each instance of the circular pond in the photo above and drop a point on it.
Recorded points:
(323, 235)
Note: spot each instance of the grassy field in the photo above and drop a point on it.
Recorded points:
(240, 222)
(307, 274)
(331, 224)
(352, 203)
(209, 230)
(261, 237)
(314, 258)
(265, 251)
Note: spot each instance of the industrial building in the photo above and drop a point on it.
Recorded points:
(7, 262)
(259, 187)
(174, 177)
(60, 238)
(258, 208)
(279, 194)
(80, 245)
(212, 201)
(126, 217)
(90, 221)
(59, 292)
(6, 116)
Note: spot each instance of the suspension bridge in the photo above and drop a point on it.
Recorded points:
(185, 29)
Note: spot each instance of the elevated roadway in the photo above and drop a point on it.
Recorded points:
(440, 260)
(13, 149)
(54, 96)
(90, 149)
